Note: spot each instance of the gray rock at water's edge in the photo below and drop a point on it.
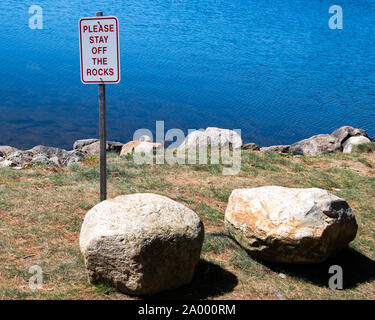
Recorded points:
(92, 146)
(49, 156)
(48, 151)
(276, 148)
(344, 133)
(7, 150)
(73, 157)
(92, 149)
(290, 225)
(141, 243)
(79, 144)
(319, 144)
(21, 158)
(42, 159)
(251, 146)
(59, 156)
(350, 144)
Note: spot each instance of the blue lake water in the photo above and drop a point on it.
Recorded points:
(273, 69)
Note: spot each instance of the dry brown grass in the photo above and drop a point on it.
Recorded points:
(41, 211)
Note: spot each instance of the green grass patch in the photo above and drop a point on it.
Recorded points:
(209, 214)
(218, 242)
(220, 194)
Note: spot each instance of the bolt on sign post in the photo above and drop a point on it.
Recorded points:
(100, 64)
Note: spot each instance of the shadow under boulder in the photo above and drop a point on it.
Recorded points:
(357, 269)
(210, 280)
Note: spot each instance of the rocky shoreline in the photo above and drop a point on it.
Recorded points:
(344, 139)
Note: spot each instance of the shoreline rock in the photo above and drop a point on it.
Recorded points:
(49, 156)
(343, 139)
(79, 144)
(251, 146)
(213, 136)
(5, 150)
(344, 133)
(323, 143)
(92, 146)
(350, 144)
(276, 148)
(139, 147)
(315, 145)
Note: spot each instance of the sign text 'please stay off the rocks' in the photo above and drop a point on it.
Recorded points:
(99, 48)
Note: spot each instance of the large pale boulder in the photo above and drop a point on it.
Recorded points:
(350, 144)
(141, 243)
(215, 137)
(319, 144)
(290, 225)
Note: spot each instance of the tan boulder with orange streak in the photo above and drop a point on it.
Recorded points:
(290, 225)
(139, 147)
(129, 147)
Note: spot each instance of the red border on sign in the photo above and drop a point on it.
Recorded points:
(118, 49)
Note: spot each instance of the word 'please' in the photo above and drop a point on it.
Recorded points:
(99, 28)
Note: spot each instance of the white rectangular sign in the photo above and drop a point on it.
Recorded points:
(99, 48)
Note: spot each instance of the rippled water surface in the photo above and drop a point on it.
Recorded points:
(273, 69)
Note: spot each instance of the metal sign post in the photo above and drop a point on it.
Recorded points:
(103, 138)
(100, 63)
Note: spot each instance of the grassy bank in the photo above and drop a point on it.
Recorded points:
(41, 211)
